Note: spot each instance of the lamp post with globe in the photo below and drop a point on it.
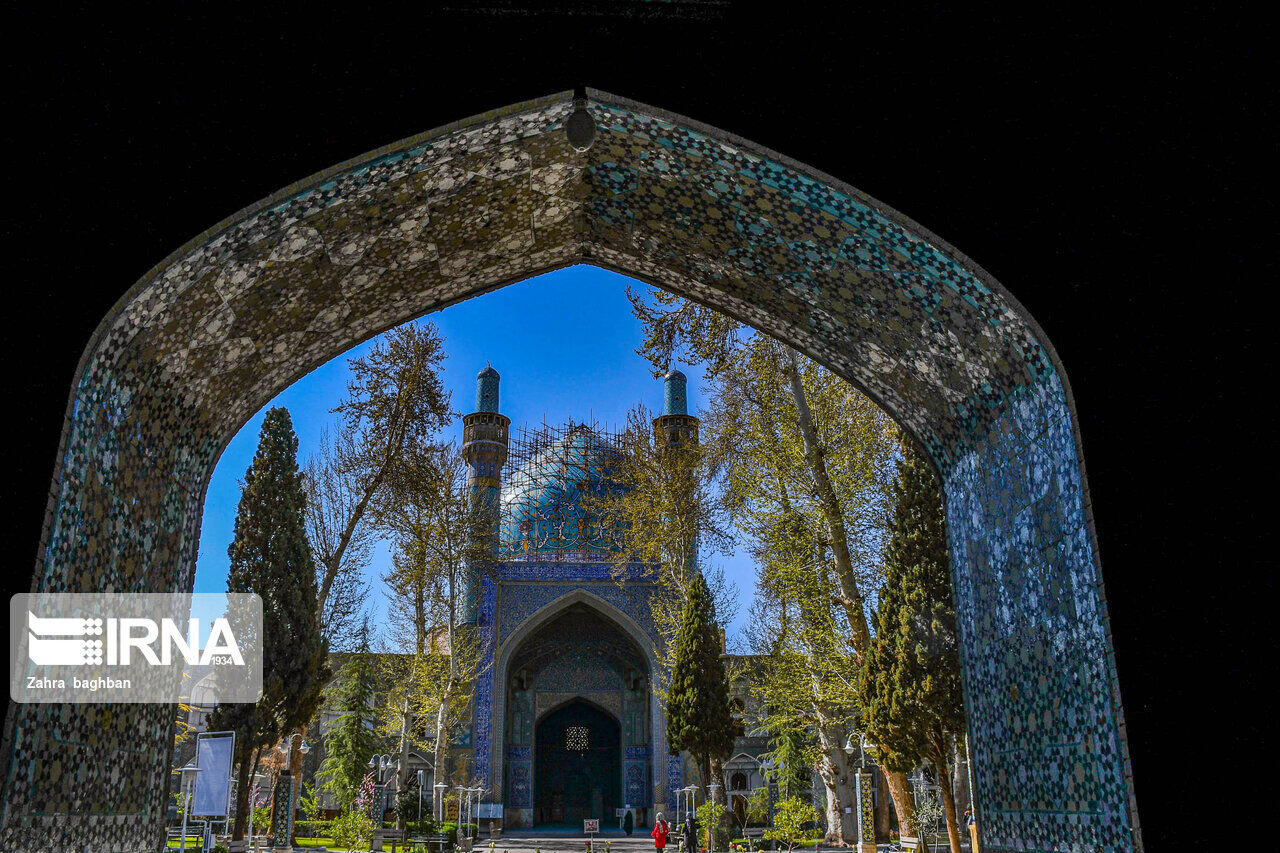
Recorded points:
(862, 793)
(438, 804)
(282, 800)
(188, 782)
(380, 763)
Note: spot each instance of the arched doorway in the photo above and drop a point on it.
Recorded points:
(576, 679)
(578, 765)
(224, 323)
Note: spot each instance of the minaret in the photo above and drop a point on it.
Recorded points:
(675, 426)
(675, 430)
(485, 437)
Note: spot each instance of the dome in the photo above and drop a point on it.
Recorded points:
(542, 513)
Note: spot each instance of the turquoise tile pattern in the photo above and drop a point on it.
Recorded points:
(211, 334)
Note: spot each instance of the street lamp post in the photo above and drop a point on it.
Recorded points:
(437, 805)
(712, 797)
(461, 789)
(472, 807)
(188, 780)
(380, 763)
(862, 792)
(282, 818)
(421, 782)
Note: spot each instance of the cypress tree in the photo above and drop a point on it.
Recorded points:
(698, 716)
(912, 704)
(351, 741)
(270, 556)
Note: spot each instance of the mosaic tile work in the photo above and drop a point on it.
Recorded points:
(519, 601)
(675, 781)
(483, 707)
(553, 683)
(214, 332)
(1035, 639)
(635, 777)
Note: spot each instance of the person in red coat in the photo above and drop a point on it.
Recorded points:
(660, 833)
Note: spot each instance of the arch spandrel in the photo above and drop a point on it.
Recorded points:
(214, 332)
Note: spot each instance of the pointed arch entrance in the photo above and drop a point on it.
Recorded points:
(578, 652)
(224, 323)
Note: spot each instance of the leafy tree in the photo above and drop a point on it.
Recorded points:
(433, 518)
(350, 742)
(334, 491)
(395, 401)
(656, 507)
(270, 556)
(758, 807)
(355, 824)
(806, 465)
(698, 715)
(792, 757)
(714, 816)
(911, 692)
(371, 476)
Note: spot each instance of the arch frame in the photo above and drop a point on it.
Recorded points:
(56, 568)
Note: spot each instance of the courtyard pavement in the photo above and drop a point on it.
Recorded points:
(527, 841)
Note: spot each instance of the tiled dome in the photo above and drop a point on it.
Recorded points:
(542, 503)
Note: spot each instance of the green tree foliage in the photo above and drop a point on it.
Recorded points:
(698, 715)
(911, 691)
(657, 507)
(270, 556)
(792, 818)
(395, 405)
(805, 462)
(441, 533)
(792, 756)
(350, 742)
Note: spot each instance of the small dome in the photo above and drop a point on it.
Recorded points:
(488, 371)
(674, 374)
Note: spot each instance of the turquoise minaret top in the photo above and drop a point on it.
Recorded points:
(487, 390)
(674, 398)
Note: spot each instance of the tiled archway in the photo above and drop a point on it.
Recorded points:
(212, 333)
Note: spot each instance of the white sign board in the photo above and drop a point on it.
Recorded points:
(214, 754)
(591, 825)
(489, 810)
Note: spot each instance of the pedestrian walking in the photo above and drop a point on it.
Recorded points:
(689, 833)
(660, 832)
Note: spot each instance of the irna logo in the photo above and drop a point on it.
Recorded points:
(62, 641)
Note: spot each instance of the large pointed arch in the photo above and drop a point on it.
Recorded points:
(528, 628)
(225, 322)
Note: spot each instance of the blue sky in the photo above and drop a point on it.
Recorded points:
(564, 344)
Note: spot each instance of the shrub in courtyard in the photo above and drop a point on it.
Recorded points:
(791, 818)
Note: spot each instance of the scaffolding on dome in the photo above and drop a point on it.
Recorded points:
(548, 473)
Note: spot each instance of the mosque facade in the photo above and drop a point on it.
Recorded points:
(566, 723)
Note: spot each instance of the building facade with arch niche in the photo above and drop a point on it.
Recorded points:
(566, 725)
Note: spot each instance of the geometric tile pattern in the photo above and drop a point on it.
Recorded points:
(215, 331)
(1036, 644)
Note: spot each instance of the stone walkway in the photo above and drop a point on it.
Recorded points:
(528, 842)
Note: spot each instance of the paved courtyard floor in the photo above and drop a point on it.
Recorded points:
(550, 843)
